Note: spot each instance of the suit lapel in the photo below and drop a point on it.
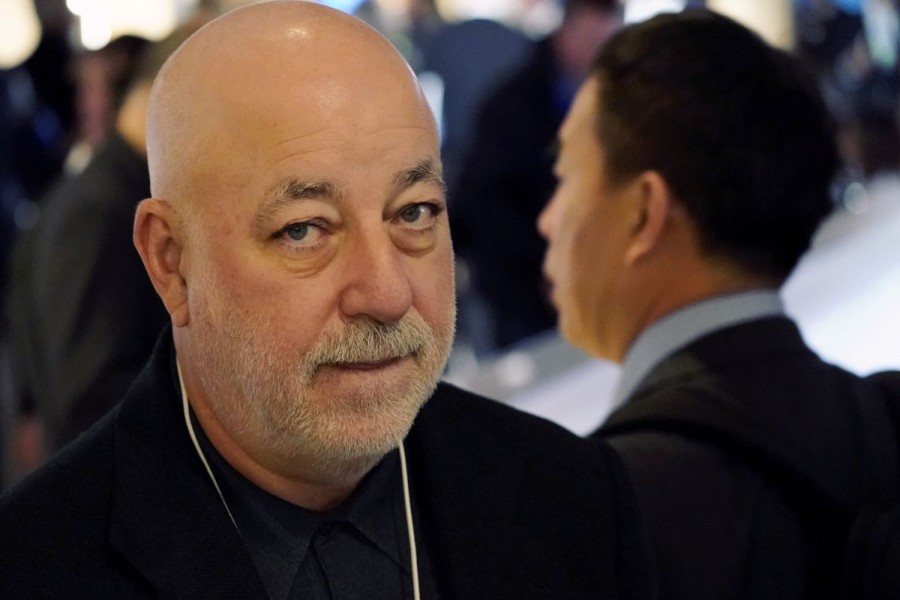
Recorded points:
(458, 499)
(166, 519)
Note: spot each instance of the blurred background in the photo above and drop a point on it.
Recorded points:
(499, 75)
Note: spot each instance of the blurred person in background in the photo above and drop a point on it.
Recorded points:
(506, 174)
(36, 112)
(870, 137)
(50, 70)
(101, 80)
(694, 168)
(471, 57)
(37, 101)
(83, 315)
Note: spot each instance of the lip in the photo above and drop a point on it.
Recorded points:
(370, 366)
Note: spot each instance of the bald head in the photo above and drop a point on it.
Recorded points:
(251, 75)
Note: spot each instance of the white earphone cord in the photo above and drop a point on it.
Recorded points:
(413, 558)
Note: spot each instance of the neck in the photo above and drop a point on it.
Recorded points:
(294, 481)
(305, 488)
(689, 287)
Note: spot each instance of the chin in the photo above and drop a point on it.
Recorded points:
(350, 422)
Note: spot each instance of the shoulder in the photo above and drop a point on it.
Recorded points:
(888, 382)
(456, 413)
(563, 501)
(108, 188)
(668, 468)
(475, 441)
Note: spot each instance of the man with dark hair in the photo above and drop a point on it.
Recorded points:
(694, 167)
(506, 175)
(289, 437)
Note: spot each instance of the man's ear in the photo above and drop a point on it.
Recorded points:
(158, 241)
(653, 210)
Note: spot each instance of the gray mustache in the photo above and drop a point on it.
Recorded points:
(370, 341)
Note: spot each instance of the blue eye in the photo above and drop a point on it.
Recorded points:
(413, 213)
(302, 236)
(298, 231)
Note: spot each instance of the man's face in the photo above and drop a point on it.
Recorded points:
(585, 226)
(320, 275)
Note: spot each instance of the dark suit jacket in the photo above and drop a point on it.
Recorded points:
(83, 314)
(510, 506)
(722, 524)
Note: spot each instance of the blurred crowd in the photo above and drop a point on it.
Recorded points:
(80, 318)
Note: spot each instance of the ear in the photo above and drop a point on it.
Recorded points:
(654, 207)
(158, 241)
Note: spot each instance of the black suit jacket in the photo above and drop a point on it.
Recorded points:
(724, 525)
(510, 506)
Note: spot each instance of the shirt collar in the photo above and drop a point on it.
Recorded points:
(281, 532)
(680, 328)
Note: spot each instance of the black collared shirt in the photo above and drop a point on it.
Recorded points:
(358, 550)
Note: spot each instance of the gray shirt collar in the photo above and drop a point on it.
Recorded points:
(680, 328)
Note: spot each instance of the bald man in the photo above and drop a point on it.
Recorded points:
(276, 445)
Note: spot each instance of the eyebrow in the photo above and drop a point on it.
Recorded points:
(427, 171)
(290, 190)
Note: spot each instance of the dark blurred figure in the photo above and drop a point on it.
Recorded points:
(101, 80)
(870, 137)
(45, 119)
(694, 168)
(36, 116)
(506, 176)
(18, 137)
(33, 146)
(50, 71)
(425, 22)
(83, 314)
(471, 57)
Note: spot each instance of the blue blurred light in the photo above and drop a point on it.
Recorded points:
(849, 6)
(348, 6)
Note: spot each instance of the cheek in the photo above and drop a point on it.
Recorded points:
(432, 280)
(285, 312)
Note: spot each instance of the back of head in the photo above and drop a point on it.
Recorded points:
(735, 127)
(586, 25)
(124, 54)
(608, 6)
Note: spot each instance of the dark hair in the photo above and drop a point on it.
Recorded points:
(737, 129)
(610, 6)
(123, 53)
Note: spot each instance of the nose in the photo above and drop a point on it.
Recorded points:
(546, 220)
(377, 284)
